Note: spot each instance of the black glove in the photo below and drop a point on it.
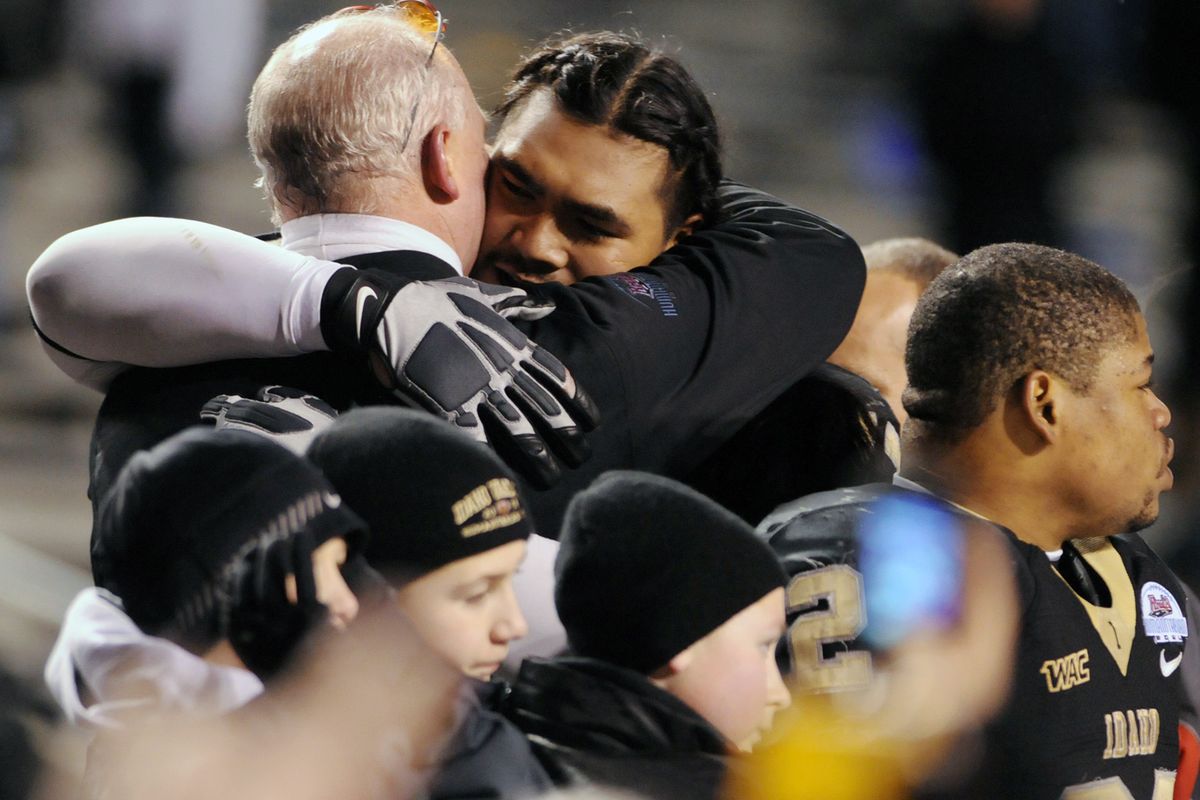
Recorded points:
(264, 625)
(290, 416)
(445, 346)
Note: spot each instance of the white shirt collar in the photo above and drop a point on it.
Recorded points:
(335, 236)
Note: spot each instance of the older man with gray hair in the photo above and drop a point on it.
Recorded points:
(400, 198)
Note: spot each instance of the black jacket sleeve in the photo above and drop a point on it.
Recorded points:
(682, 352)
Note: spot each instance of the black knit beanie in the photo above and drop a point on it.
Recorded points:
(181, 515)
(646, 567)
(429, 493)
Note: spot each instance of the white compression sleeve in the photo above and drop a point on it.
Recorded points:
(161, 292)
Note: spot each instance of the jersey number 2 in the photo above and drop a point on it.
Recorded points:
(843, 618)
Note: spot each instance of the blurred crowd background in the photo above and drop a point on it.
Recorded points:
(1067, 122)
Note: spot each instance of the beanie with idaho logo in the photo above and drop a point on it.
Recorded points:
(430, 494)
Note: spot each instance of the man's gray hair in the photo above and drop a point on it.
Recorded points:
(334, 105)
(919, 260)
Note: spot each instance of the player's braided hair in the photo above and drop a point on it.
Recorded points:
(997, 314)
(618, 81)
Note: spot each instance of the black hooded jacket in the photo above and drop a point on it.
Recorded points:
(487, 757)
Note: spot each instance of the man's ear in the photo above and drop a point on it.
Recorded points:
(690, 224)
(1041, 404)
(437, 166)
(680, 661)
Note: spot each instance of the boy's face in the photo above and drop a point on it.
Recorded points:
(730, 676)
(466, 611)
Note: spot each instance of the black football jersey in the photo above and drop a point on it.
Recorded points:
(816, 539)
(1093, 710)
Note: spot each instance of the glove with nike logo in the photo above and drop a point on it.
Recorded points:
(447, 346)
(290, 416)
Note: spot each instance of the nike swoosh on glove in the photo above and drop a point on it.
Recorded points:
(291, 417)
(446, 346)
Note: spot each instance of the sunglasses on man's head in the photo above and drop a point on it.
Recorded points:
(426, 20)
(421, 15)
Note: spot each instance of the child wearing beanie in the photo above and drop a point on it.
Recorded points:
(448, 532)
(448, 527)
(672, 608)
(195, 531)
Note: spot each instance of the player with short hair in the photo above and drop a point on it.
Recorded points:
(1031, 407)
